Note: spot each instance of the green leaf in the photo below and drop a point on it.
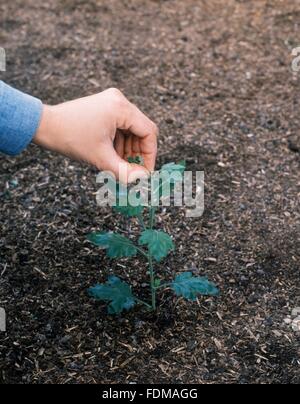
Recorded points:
(167, 183)
(128, 210)
(158, 243)
(115, 291)
(136, 160)
(190, 286)
(117, 246)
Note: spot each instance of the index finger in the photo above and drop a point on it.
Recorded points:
(143, 128)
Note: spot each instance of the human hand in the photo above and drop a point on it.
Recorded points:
(102, 130)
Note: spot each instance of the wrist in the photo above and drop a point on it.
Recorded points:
(44, 134)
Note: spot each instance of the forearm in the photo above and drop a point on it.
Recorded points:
(20, 117)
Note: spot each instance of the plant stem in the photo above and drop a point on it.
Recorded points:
(141, 251)
(164, 285)
(143, 303)
(152, 217)
(152, 283)
(142, 223)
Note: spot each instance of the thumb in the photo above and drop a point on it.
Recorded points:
(136, 172)
(123, 171)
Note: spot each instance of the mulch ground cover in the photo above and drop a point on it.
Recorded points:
(216, 76)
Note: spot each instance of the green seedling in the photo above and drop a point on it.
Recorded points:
(154, 246)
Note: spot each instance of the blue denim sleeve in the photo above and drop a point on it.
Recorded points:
(20, 116)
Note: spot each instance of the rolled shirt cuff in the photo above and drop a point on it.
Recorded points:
(20, 116)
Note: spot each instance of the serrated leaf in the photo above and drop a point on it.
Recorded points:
(159, 243)
(117, 246)
(115, 291)
(168, 181)
(191, 287)
(128, 210)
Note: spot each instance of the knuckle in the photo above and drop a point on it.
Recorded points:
(115, 93)
(118, 99)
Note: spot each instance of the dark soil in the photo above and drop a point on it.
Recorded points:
(216, 76)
